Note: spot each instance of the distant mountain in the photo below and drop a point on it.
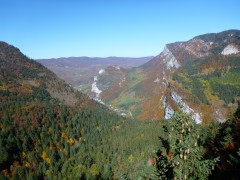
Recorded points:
(200, 75)
(79, 71)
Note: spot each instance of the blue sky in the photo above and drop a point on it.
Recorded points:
(130, 28)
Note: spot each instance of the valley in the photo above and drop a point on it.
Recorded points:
(195, 74)
(120, 90)
(175, 115)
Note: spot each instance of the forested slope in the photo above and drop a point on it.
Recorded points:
(47, 130)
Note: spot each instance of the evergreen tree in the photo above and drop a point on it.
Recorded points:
(181, 156)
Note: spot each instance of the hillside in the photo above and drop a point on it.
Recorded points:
(48, 130)
(79, 71)
(201, 74)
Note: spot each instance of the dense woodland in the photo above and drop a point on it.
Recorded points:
(222, 80)
(44, 136)
(91, 143)
(40, 139)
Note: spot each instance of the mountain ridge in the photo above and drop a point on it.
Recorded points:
(147, 85)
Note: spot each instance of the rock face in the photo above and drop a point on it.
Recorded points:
(200, 73)
(230, 49)
(168, 111)
(169, 59)
(184, 107)
(95, 88)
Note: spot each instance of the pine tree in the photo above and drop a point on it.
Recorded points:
(181, 156)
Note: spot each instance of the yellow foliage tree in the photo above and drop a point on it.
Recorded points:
(45, 157)
(94, 170)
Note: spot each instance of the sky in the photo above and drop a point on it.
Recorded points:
(102, 28)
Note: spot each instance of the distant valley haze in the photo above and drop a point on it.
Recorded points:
(81, 70)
